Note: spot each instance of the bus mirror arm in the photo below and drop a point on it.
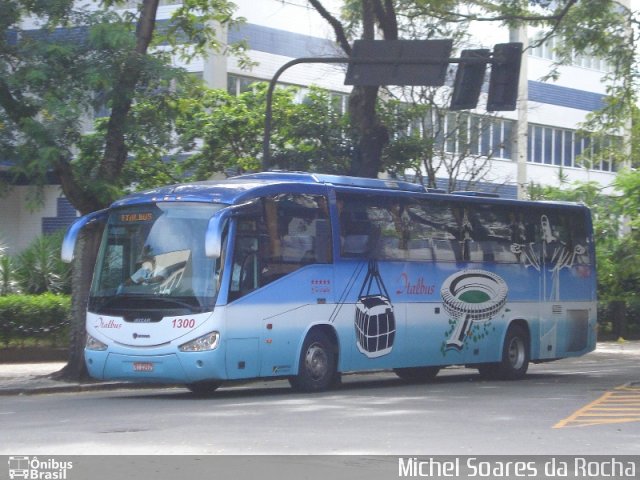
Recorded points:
(213, 237)
(215, 229)
(71, 237)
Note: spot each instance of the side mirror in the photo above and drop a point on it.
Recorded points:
(71, 237)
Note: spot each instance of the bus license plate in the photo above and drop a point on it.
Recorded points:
(143, 367)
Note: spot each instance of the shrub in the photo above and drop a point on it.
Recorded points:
(35, 317)
(8, 283)
(611, 323)
(39, 268)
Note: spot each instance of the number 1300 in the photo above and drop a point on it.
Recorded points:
(184, 323)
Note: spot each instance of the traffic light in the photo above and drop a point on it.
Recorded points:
(469, 79)
(505, 75)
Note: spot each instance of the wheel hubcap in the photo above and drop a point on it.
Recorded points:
(316, 361)
(516, 353)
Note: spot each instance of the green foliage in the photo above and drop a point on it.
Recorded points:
(625, 256)
(8, 282)
(311, 135)
(409, 147)
(33, 316)
(200, 21)
(39, 268)
(50, 82)
(628, 183)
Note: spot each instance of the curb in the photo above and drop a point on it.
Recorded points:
(80, 388)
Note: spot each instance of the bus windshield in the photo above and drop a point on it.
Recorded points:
(153, 257)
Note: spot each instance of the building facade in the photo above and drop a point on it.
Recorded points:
(277, 31)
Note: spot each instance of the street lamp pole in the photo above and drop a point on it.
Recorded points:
(266, 154)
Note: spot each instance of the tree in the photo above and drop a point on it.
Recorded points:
(224, 131)
(431, 143)
(372, 134)
(627, 274)
(601, 27)
(54, 76)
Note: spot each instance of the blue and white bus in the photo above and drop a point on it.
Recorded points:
(305, 277)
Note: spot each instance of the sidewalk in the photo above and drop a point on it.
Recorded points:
(33, 378)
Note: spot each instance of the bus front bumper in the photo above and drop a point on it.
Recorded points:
(162, 368)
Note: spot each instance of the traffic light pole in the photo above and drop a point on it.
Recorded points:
(268, 120)
(266, 139)
(268, 117)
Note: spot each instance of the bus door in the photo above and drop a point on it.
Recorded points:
(242, 320)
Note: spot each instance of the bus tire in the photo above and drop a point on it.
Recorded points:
(204, 388)
(317, 368)
(417, 374)
(515, 357)
(515, 353)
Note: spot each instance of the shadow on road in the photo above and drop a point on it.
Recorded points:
(350, 383)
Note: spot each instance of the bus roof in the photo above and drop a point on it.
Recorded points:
(235, 190)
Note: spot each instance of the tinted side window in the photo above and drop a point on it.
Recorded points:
(390, 228)
(494, 228)
(298, 228)
(373, 227)
(563, 237)
(408, 229)
(434, 232)
(289, 232)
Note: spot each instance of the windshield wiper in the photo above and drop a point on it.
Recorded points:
(108, 301)
(175, 301)
(128, 301)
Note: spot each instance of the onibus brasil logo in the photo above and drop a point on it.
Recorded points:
(38, 469)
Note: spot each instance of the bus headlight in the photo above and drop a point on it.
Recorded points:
(201, 344)
(94, 344)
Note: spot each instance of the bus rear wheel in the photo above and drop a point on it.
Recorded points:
(515, 357)
(417, 374)
(204, 388)
(317, 369)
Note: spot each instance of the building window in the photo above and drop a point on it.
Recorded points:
(478, 135)
(547, 50)
(561, 147)
(237, 84)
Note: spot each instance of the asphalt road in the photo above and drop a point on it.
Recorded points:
(589, 405)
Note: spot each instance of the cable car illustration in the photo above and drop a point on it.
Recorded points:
(375, 322)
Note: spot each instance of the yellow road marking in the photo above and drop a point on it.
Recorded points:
(620, 405)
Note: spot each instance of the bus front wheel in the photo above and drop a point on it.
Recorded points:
(317, 369)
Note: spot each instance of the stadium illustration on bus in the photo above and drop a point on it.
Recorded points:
(308, 276)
